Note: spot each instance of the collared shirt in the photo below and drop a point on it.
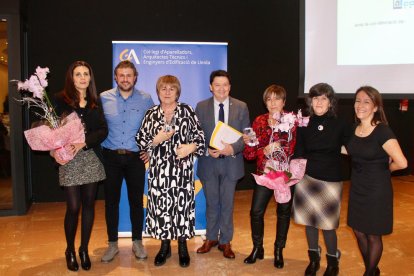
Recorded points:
(124, 117)
(225, 107)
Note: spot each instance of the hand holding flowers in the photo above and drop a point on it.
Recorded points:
(64, 138)
(281, 180)
(279, 171)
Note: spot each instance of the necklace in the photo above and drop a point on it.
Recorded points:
(362, 131)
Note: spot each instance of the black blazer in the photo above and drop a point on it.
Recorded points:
(93, 120)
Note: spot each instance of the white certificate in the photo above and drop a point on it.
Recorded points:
(225, 133)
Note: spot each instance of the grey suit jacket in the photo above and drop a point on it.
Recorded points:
(238, 119)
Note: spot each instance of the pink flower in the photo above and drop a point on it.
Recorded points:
(302, 121)
(289, 118)
(276, 116)
(35, 87)
(276, 174)
(37, 84)
(41, 74)
(23, 85)
(285, 126)
(279, 181)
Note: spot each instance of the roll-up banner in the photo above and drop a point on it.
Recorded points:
(191, 63)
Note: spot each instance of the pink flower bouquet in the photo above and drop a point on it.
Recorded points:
(44, 138)
(58, 133)
(280, 181)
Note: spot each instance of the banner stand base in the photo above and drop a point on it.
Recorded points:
(201, 233)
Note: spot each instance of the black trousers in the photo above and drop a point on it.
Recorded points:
(261, 197)
(132, 168)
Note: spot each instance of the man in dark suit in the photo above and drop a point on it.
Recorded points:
(219, 170)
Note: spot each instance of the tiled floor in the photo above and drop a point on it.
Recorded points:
(34, 244)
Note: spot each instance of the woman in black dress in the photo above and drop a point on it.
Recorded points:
(317, 199)
(375, 154)
(79, 177)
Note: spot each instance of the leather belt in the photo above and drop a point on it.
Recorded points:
(121, 151)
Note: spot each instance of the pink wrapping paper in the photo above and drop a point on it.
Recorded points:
(44, 138)
(279, 184)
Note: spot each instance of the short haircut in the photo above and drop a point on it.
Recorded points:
(219, 73)
(319, 90)
(171, 80)
(127, 64)
(276, 90)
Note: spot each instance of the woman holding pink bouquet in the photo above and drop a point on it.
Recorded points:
(269, 140)
(79, 176)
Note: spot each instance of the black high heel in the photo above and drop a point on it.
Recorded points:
(71, 262)
(85, 261)
(257, 253)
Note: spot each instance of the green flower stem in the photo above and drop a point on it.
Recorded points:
(54, 115)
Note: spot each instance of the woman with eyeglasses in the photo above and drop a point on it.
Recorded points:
(172, 135)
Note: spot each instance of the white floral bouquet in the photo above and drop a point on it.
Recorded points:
(57, 133)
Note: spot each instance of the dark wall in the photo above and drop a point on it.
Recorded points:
(263, 39)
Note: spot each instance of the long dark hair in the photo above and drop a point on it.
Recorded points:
(375, 96)
(71, 94)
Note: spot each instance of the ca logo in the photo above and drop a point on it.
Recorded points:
(129, 55)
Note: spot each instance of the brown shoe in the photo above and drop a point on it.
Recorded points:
(227, 252)
(206, 247)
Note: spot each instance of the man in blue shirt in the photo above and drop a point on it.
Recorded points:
(124, 107)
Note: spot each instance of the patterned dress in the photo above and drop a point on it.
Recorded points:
(170, 209)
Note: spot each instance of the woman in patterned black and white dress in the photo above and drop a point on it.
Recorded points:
(173, 136)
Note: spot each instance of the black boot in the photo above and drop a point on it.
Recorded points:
(183, 256)
(164, 253)
(333, 261)
(71, 262)
(282, 228)
(314, 264)
(278, 263)
(257, 253)
(85, 261)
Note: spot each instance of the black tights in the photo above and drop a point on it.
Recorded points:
(371, 250)
(331, 241)
(75, 197)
